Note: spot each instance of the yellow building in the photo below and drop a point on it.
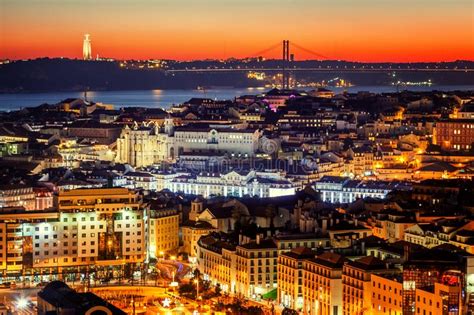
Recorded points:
(439, 299)
(192, 232)
(290, 277)
(163, 232)
(322, 284)
(356, 284)
(256, 265)
(387, 294)
(217, 261)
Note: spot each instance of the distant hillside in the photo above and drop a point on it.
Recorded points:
(77, 75)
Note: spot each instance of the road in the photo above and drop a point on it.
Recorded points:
(326, 70)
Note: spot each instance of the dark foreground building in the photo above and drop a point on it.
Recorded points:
(58, 298)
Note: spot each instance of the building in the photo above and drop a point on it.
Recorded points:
(290, 277)
(16, 239)
(235, 142)
(237, 184)
(219, 256)
(17, 196)
(322, 284)
(440, 298)
(100, 227)
(432, 280)
(58, 298)
(217, 261)
(356, 284)
(387, 294)
(142, 180)
(142, 146)
(256, 266)
(335, 189)
(100, 132)
(191, 233)
(454, 134)
(86, 48)
(149, 143)
(163, 232)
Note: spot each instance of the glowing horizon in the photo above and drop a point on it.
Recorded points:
(364, 30)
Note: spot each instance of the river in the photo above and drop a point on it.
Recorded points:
(166, 98)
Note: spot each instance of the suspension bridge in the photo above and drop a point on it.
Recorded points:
(322, 63)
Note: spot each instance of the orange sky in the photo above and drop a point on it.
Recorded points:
(361, 30)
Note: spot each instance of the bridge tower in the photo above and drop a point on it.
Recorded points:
(286, 60)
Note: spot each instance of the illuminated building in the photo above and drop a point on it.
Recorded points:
(233, 141)
(335, 189)
(163, 231)
(192, 232)
(217, 261)
(440, 298)
(458, 233)
(44, 199)
(244, 183)
(363, 159)
(391, 224)
(148, 144)
(344, 233)
(322, 92)
(322, 284)
(387, 294)
(436, 275)
(142, 180)
(88, 227)
(141, 146)
(277, 98)
(454, 134)
(356, 284)
(256, 266)
(17, 196)
(86, 48)
(290, 277)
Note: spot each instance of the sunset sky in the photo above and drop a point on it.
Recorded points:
(361, 30)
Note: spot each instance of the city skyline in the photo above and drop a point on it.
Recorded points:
(369, 31)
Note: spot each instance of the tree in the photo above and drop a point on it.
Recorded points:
(254, 310)
(187, 289)
(196, 273)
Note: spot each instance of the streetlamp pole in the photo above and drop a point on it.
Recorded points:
(197, 288)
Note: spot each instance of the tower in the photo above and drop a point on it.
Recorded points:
(169, 126)
(86, 48)
(286, 59)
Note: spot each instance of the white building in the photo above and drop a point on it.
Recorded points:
(334, 189)
(150, 144)
(249, 183)
(88, 227)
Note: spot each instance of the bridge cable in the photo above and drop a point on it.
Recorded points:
(308, 51)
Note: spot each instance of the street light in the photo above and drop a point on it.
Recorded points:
(196, 281)
(21, 303)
